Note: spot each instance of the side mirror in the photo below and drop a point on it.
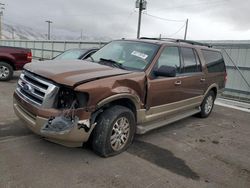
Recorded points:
(167, 71)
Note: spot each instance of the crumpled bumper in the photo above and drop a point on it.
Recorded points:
(74, 138)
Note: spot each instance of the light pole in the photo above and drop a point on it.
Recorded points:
(1, 14)
(141, 4)
(49, 22)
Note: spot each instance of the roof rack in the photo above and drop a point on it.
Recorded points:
(154, 38)
(193, 42)
(179, 40)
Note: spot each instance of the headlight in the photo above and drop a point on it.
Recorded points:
(67, 96)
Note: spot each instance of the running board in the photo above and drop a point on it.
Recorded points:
(143, 128)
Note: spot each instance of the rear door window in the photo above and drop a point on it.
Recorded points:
(214, 61)
(189, 60)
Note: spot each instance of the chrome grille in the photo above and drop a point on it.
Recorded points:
(36, 90)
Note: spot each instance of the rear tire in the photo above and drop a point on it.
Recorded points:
(207, 105)
(114, 131)
(6, 71)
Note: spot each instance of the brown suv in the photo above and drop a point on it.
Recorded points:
(127, 87)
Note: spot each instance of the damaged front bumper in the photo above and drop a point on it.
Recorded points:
(73, 137)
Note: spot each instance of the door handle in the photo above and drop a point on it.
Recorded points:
(202, 79)
(177, 83)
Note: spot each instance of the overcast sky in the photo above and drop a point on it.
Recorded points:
(208, 19)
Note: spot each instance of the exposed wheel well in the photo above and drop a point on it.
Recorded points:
(126, 103)
(214, 89)
(9, 62)
(122, 102)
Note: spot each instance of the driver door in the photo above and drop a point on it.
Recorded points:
(165, 90)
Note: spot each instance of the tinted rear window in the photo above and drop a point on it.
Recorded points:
(214, 61)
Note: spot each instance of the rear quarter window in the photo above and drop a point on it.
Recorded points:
(214, 61)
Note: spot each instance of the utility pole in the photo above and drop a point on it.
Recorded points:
(185, 35)
(1, 14)
(141, 4)
(49, 22)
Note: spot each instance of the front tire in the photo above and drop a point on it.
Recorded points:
(6, 71)
(114, 131)
(207, 105)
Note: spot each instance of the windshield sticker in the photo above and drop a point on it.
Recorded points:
(139, 54)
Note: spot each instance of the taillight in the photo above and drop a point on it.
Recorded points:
(29, 56)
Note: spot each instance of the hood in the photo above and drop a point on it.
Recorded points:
(72, 72)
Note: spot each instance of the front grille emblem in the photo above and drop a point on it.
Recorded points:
(27, 88)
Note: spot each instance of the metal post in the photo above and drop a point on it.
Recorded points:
(185, 35)
(81, 34)
(13, 33)
(141, 4)
(42, 49)
(139, 19)
(49, 22)
(52, 54)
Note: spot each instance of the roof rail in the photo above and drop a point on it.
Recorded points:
(150, 38)
(154, 38)
(193, 42)
(179, 40)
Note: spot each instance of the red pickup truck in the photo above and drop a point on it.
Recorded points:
(12, 59)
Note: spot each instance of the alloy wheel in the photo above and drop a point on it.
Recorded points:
(209, 104)
(4, 72)
(120, 133)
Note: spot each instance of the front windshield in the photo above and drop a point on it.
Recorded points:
(70, 54)
(130, 54)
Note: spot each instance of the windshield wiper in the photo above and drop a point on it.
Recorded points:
(91, 58)
(113, 62)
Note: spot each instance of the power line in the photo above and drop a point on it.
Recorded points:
(127, 19)
(164, 19)
(178, 30)
(198, 4)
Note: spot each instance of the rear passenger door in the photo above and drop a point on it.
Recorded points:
(194, 82)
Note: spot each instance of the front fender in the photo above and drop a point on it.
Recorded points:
(134, 98)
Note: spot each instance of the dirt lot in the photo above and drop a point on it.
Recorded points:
(212, 152)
